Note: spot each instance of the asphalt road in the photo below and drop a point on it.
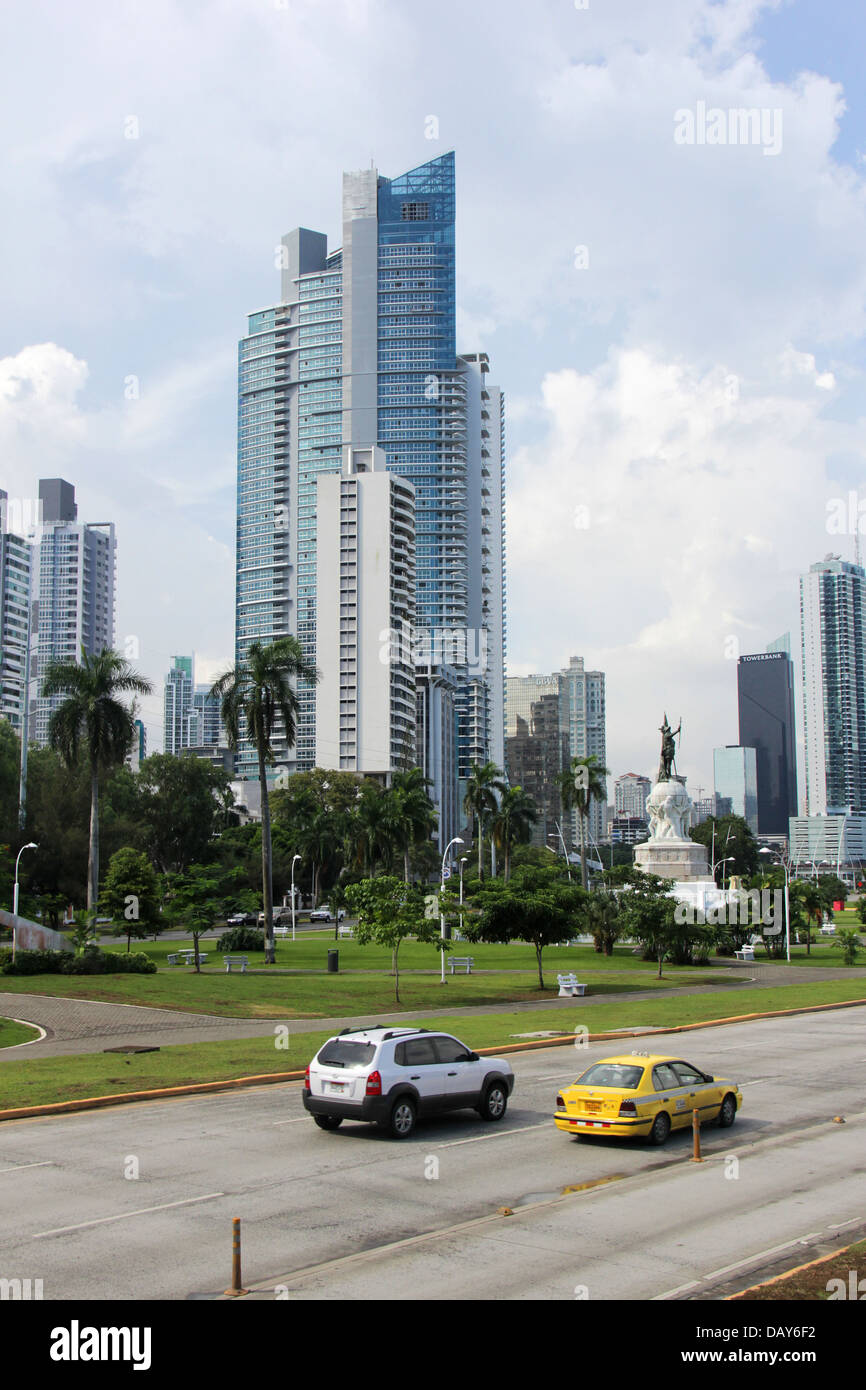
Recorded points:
(73, 1214)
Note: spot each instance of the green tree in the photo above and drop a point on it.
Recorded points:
(130, 895)
(196, 901)
(733, 841)
(388, 912)
(410, 817)
(647, 914)
(603, 920)
(512, 822)
(256, 696)
(92, 719)
(848, 941)
(537, 905)
(83, 931)
(182, 806)
(481, 801)
(807, 896)
(580, 785)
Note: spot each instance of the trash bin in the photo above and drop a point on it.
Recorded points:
(333, 962)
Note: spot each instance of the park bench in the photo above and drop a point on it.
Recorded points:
(345, 930)
(570, 987)
(828, 929)
(171, 960)
(189, 956)
(746, 953)
(282, 932)
(464, 962)
(242, 961)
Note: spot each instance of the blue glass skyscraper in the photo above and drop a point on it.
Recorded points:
(361, 351)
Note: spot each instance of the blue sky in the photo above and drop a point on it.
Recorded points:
(683, 403)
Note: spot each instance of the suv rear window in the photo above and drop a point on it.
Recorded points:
(341, 1052)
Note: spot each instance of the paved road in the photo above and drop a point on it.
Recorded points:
(70, 1215)
(79, 1025)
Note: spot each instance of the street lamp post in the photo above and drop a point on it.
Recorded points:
(294, 862)
(456, 841)
(462, 862)
(31, 845)
(785, 866)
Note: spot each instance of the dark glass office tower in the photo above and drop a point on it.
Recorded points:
(765, 692)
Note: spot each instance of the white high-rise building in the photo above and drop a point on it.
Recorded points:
(75, 592)
(833, 618)
(630, 795)
(582, 716)
(15, 597)
(192, 714)
(365, 617)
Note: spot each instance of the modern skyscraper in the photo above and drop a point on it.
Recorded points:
(535, 753)
(765, 697)
(833, 617)
(361, 351)
(191, 714)
(74, 609)
(15, 596)
(365, 602)
(735, 773)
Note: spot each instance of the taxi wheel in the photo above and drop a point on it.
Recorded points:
(727, 1111)
(328, 1121)
(661, 1128)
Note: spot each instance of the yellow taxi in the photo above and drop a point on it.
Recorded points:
(646, 1095)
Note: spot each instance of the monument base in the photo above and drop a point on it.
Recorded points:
(684, 860)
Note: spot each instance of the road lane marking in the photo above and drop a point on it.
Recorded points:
(121, 1216)
(762, 1254)
(301, 1120)
(840, 1226)
(500, 1134)
(46, 1163)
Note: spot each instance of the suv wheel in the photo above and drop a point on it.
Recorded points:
(328, 1121)
(495, 1102)
(401, 1120)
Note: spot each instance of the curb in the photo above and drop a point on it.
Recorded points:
(68, 1107)
(789, 1273)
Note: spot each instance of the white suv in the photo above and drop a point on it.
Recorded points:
(393, 1076)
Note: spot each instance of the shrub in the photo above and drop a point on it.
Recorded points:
(34, 963)
(92, 962)
(242, 939)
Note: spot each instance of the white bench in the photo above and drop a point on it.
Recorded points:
(189, 956)
(466, 962)
(747, 953)
(829, 929)
(171, 960)
(345, 930)
(570, 987)
(282, 932)
(242, 961)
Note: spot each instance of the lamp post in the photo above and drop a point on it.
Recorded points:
(31, 845)
(456, 841)
(785, 866)
(462, 862)
(294, 862)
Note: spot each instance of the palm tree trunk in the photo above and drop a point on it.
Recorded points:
(582, 848)
(406, 864)
(93, 854)
(480, 847)
(507, 859)
(267, 866)
(538, 958)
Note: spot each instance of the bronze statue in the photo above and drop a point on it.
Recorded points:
(669, 749)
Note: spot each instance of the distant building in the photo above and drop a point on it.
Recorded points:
(138, 751)
(75, 593)
(736, 778)
(15, 599)
(628, 830)
(192, 717)
(765, 697)
(534, 756)
(630, 795)
(833, 617)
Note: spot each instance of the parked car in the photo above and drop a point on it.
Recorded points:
(394, 1076)
(646, 1095)
(281, 915)
(241, 919)
(321, 914)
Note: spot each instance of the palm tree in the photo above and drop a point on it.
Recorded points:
(255, 694)
(812, 904)
(480, 802)
(369, 828)
(92, 718)
(578, 786)
(409, 812)
(513, 821)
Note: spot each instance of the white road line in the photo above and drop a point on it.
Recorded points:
(47, 1163)
(762, 1254)
(479, 1138)
(842, 1224)
(301, 1120)
(122, 1215)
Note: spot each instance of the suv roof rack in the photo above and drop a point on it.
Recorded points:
(398, 1032)
(370, 1028)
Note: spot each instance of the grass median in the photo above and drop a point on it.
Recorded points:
(39, 1081)
(12, 1033)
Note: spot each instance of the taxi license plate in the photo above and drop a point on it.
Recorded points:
(592, 1107)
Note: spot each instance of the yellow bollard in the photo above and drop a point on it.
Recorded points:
(696, 1131)
(237, 1289)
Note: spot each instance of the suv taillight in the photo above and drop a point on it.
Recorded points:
(307, 1079)
(628, 1107)
(374, 1084)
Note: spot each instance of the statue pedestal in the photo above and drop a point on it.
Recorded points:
(669, 852)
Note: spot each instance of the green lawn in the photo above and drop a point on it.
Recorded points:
(38, 1081)
(12, 1033)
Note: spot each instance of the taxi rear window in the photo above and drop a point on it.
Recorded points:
(340, 1052)
(619, 1076)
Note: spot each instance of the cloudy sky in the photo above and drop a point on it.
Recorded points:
(677, 316)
